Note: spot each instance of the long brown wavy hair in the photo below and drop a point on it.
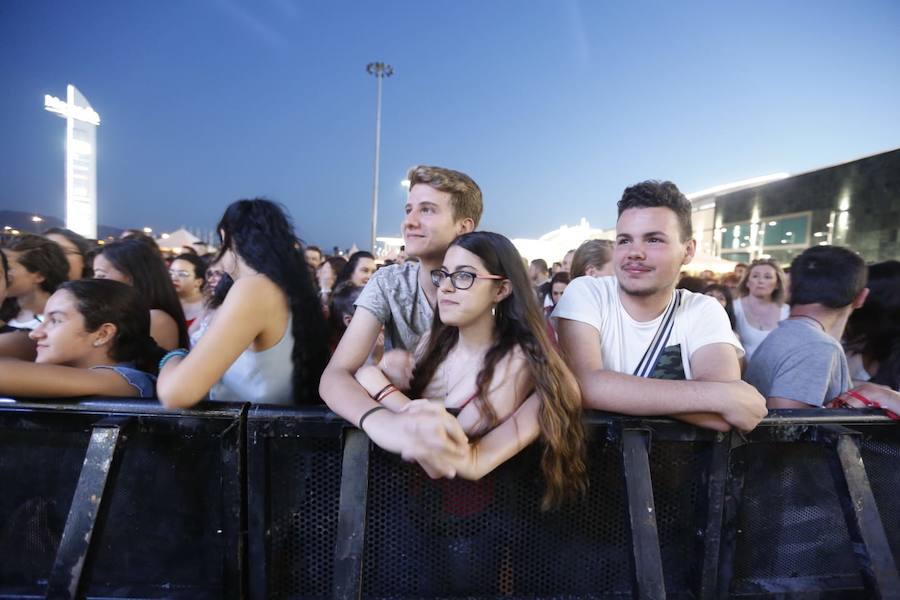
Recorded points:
(519, 322)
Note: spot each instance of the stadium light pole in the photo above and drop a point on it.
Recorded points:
(380, 70)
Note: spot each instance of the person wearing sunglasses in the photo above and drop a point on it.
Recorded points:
(488, 360)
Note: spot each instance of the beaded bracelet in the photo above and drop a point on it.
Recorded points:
(182, 352)
(366, 415)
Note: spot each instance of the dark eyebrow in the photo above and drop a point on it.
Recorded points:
(656, 234)
(55, 312)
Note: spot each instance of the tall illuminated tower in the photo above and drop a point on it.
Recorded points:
(81, 159)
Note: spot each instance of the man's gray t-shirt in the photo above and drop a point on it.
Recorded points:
(800, 362)
(393, 295)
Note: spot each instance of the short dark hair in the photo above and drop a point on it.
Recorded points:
(829, 275)
(664, 194)
(198, 263)
(42, 255)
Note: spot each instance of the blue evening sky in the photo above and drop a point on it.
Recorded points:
(553, 106)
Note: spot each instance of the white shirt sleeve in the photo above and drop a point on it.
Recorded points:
(582, 301)
(708, 324)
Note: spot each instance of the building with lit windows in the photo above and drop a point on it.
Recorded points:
(854, 204)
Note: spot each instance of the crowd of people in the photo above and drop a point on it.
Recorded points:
(460, 353)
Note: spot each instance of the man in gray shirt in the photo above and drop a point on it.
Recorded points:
(802, 364)
(442, 204)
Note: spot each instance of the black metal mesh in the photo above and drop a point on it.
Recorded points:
(881, 457)
(39, 470)
(305, 485)
(679, 473)
(484, 539)
(162, 531)
(790, 522)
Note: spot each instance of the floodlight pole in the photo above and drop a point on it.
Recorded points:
(380, 70)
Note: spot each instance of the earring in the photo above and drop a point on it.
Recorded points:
(494, 310)
(97, 343)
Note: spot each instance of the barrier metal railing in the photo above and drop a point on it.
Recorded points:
(123, 499)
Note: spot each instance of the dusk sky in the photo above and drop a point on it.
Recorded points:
(552, 107)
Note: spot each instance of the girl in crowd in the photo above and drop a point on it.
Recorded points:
(188, 273)
(14, 343)
(873, 330)
(358, 269)
(37, 266)
(489, 358)
(267, 342)
(723, 295)
(76, 249)
(327, 276)
(593, 258)
(94, 341)
(135, 262)
(761, 305)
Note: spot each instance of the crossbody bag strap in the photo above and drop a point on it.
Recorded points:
(660, 339)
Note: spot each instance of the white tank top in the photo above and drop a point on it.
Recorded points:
(260, 377)
(750, 336)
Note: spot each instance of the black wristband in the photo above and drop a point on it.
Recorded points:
(366, 414)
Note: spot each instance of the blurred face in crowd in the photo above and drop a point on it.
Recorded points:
(762, 281)
(719, 296)
(3, 284)
(73, 255)
(567, 261)
(213, 276)
(363, 271)
(184, 279)
(557, 291)
(326, 276)
(536, 275)
(103, 269)
(313, 258)
(739, 270)
(428, 227)
(649, 252)
(21, 280)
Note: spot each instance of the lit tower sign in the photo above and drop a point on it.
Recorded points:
(81, 159)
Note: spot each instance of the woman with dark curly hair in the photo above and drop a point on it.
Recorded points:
(488, 358)
(267, 342)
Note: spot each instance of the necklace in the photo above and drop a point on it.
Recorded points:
(817, 322)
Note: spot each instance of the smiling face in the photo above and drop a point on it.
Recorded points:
(104, 269)
(429, 227)
(62, 338)
(762, 280)
(463, 307)
(363, 271)
(649, 252)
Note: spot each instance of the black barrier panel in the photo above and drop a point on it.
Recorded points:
(167, 518)
(489, 538)
(294, 476)
(791, 532)
(40, 460)
(880, 449)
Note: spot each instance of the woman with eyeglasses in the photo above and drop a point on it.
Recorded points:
(134, 262)
(188, 273)
(489, 360)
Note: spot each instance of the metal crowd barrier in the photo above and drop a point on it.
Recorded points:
(122, 499)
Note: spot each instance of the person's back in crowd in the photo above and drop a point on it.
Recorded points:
(267, 342)
(135, 263)
(94, 341)
(633, 341)
(441, 204)
(873, 330)
(802, 364)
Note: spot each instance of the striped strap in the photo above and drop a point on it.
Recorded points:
(659, 341)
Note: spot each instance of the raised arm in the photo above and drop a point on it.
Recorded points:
(31, 380)
(738, 403)
(183, 382)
